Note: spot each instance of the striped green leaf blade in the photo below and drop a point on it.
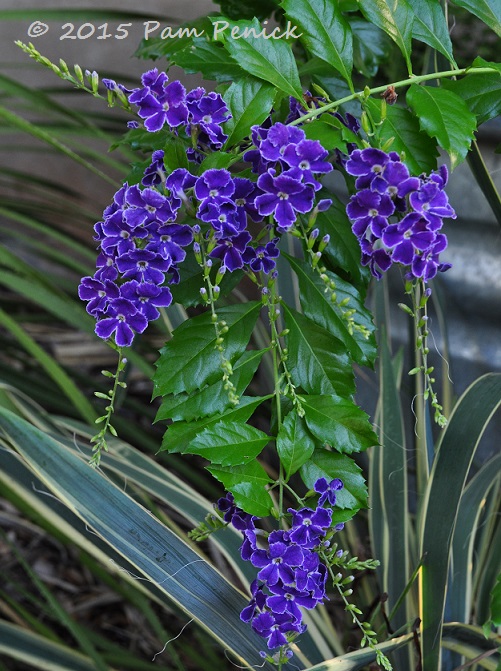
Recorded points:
(361, 659)
(144, 542)
(442, 500)
(39, 652)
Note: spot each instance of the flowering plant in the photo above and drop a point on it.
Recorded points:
(233, 189)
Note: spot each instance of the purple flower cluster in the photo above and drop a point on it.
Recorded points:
(201, 114)
(291, 575)
(385, 188)
(288, 166)
(139, 243)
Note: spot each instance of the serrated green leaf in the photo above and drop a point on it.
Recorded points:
(481, 93)
(317, 361)
(179, 435)
(217, 159)
(212, 399)
(328, 135)
(325, 32)
(248, 486)
(371, 46)
(488, 11)
(430, 27)
(294, 443)
(229, 444)
(319, 308)
(330, 465)
(445, 116)
(417, 149)
(339, 422)
(395, 18)
(271, 60)
(175, 154)
(209, 58)
(190, 360)
(250, 101)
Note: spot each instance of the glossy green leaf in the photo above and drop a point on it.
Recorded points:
(481, 93)
(250, 101)
(179, 435)
(329, 137)
(395, 18)
(430, 27)
(294, 443)
(450, 469)
(444, 115)
(229, 444)
(330, 465)
(213, 398)
(339, 422)
(209, 58)
(247, 9)
(271, 60)
(248, 485)
(325, 32)
(175, 154)
(417, 149)
(190, 359)
(371, 46)
(154, 551)
(317, 361)
(319, 308)
(488, 11)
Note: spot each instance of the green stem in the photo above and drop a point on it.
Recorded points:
(417, 79)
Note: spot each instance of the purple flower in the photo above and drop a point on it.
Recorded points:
(408, 236)
(278, 139)
(327, 490)
(432, 203)
(118, 236)
(98, 293)
(144, 266)
(308, 157)
(427, 264)
(262, 258)
(215, 185)
(230, 250)
(146, 207)
(147, 297)
(368, 209)
(309, 525)
(278, 563)
(178, 182)
(274, 626)
(160, 103)
(366, 164)
(208, 112)
(283, 196)
(124, 318)
(155, 172)
(168, 241)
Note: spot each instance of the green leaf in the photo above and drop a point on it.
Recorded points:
(179, 434)
(213, 398)
(319, 308)
(190, 360)
(317, 361)
(330, 465)
(339, 422)
(430, 27)
(445, 116)
(175, 154)
(417, 149)
(209, 58)
(329, 136)
(488, 11)
(294, 443)
(250, 101)
(248, 486)
(481, 93)
(229, 444)
(496, 603)
(271, 60)
(148, 546)
(371, 46)
(325, 32)
(395, 18)
(247, 9)
(450, 468)
(187, 292)
(155, 47)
